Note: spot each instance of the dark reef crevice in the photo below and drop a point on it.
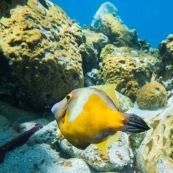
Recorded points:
(7, 5)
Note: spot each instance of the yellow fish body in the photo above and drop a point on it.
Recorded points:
(89, 116)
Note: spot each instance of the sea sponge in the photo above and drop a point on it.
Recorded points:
(152, 96)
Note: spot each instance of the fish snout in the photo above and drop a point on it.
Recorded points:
(134, 124)
(59, 109)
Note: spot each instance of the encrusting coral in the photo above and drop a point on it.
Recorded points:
(39, 58)
(128, 68)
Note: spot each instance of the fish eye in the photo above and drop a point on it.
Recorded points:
(68, 96)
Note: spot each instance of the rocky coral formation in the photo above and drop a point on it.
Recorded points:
(128, 68)
(107, 21)
(90, 50)
(152, 96)
(166, 48)
(155, 152)
(166, 54)
(105, 8)
(39, 58)
(118, 34)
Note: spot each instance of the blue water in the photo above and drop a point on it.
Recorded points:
(153, 19)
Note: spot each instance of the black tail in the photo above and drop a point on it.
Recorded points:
(134, 124)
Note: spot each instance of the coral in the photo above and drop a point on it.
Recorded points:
(91, 78)
(166, 48)
(95, 39)
(118, 34)
(107, 21)
(90, 50)
(7, 5)
(39, 58)
(89, 57)
(166, 53)
(155, 152)
(152, 96)
(128, 68)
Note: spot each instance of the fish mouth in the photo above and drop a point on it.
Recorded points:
(135, 124)
(60, 116)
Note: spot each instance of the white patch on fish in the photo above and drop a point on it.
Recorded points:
(76, 106)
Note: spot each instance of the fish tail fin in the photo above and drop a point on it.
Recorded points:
(134, 124)
(103, 146)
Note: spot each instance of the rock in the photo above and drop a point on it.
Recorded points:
(118, 34)
(128, 68)
(90, 50)
(45, 135)
(124, 102)
(105, 8)
(95, 39)
(155, 152)
(91, 78)
(40, 158)
(68, 148)
(18, 116)
(107, 21)
(30, 124)
(166, 53)
(4, 121)
(119, 157)
(40, 62)
(152, 96)
(89, 57)
(72, 165)
(166, 48)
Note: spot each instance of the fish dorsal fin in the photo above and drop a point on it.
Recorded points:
(109, 89)
(103, 146)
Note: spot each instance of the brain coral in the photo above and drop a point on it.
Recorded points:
(151, 96)
(39, 58)
(128, 68)
(156, 151)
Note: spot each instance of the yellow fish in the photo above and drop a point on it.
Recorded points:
(89, 116)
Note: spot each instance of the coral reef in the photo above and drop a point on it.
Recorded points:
(166, 54)
(128, 68)
(152, 96)
(107, 21)
(166, 48)
(90, 50)
(155, 152)
(39, 58)
(44, 55)
(106, 7)
(118, 34)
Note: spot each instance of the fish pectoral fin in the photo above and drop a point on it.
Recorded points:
(135, 124)
(103, 146)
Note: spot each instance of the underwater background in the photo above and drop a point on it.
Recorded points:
(152, 19)
(68, 82)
